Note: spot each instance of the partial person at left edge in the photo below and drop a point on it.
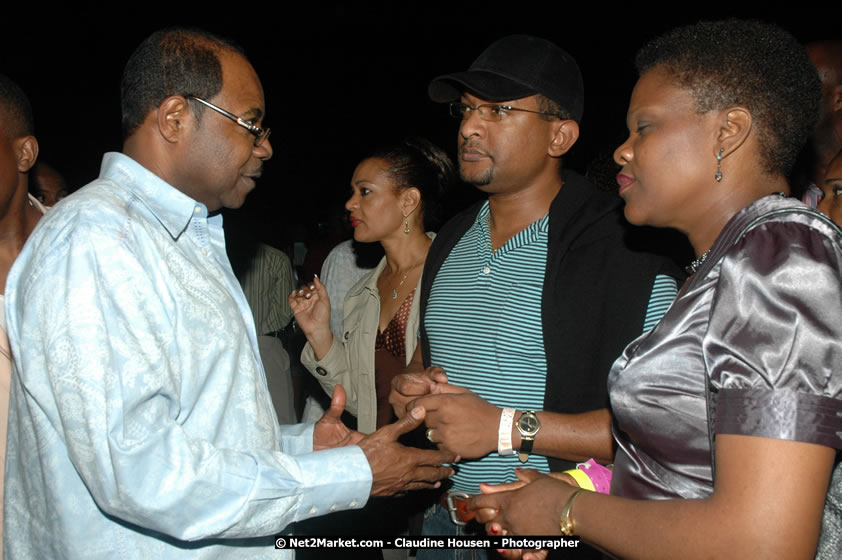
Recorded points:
(19, 212)
(140, 423)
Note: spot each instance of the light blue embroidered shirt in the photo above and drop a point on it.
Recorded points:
(139, 414)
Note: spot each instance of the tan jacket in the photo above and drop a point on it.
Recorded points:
(350, 361)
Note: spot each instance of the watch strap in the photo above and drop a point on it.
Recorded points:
(525, 448)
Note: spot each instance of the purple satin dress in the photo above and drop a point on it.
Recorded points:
(761, 322)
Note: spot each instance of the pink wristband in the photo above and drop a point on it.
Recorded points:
(600, 476)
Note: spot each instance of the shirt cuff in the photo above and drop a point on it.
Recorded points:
(339, 479)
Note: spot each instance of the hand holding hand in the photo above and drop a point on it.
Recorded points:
(409, 386)
(531, 506)
(395, 468)
(461, 422)
(329, 431)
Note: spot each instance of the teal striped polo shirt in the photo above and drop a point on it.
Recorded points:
(483, 320)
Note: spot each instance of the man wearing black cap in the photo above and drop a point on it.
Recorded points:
(527, 298)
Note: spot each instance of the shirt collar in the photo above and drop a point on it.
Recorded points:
(529, 234)
(170, 206)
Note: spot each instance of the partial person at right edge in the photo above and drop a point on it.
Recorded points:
(831, 202)
(826, 138)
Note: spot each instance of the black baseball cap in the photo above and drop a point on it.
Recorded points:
(517, 66)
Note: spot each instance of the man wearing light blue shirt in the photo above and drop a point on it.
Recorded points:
(140, 423)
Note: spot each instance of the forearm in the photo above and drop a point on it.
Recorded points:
(676, 529)
(767, 504)
(575, 437)
(334, 369)
(320, 340)
(233, 494)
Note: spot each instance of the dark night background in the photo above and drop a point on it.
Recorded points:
(339, 78)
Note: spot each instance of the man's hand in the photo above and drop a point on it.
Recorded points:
(462, 423)
(409, 386)
(329, 431)
(395, 468)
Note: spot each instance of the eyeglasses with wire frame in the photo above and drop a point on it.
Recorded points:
(260, 134)
(492, 112)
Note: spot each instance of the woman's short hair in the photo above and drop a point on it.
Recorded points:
(417, 162)
(751, 64)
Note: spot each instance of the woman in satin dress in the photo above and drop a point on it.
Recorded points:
(715, 121)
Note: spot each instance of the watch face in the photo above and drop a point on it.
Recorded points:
(528, 424)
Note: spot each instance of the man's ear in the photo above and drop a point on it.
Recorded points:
(26, 151)
(565, 134)
(735, 125)
(172, 117)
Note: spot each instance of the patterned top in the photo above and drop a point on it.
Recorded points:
(139, 414)
(390, 358)
(393, 338)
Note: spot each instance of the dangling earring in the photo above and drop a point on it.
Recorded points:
(406, 224)
(718, 174)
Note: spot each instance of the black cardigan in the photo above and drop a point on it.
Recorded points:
(596, 291)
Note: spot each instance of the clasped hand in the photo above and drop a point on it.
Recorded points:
(529, 506)
(457, 420)
(394, 467)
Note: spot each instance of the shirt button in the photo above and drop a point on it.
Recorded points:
(321, 371)
(314, 510)
(353, 504)
(486, 270)
(332, 508)
(197, 210)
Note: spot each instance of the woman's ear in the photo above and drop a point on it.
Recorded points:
(735, 125)
(410, 200)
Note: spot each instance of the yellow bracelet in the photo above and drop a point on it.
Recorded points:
(582, 479)
(566, 524)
